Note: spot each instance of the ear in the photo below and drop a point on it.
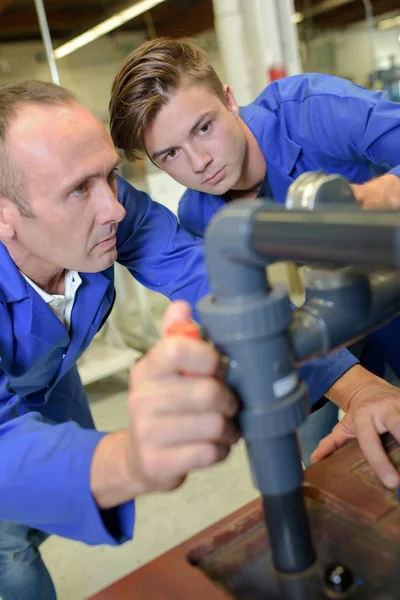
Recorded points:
(231, 101)
(8, 212)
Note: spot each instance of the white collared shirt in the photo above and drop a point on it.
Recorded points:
(60, 305)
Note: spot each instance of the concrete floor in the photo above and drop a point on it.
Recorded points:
(163, 520)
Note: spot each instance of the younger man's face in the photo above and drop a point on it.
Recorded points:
(198, 140)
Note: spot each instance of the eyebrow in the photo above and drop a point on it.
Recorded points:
(71, 186)
(192, 130)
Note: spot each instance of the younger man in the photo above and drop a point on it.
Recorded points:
(168, 102)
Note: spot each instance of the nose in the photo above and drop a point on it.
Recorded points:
(199, 160)
(109, 209)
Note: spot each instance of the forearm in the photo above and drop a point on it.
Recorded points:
(112, 477)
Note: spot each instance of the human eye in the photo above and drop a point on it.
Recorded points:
(170, 155)
(81, 189)
(113, 174)
(204, 129)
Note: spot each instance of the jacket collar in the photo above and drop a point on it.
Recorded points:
(278, 149)
(13, 286)
(37, 317)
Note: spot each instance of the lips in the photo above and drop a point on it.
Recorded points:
(214, 176)
(108, 243)
(109, 240)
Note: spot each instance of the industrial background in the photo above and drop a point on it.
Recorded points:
(250, 43)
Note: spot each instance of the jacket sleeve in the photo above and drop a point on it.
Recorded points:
(44, 482)
(45, 468)
(157, 250)
(186, 215)
(321, 374)
(339, 118)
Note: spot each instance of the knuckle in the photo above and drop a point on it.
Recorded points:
(218, 426)
(210, 391)
(210, 455)
(174, 350)
(136, 402)
(145, 431)
(139, 371)
(150, 464)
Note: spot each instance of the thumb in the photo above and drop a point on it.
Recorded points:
(177, 312)
(357, 190)
(332, 442)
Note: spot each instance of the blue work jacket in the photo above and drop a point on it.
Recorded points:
(47, 435)
(316, 122)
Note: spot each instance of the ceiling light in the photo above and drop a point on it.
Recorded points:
(105, 27)
(297, 17)
(388, 23)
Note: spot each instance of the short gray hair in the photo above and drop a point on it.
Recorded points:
(12, 185)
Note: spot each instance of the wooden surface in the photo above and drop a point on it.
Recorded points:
(353, 520)
(345, 483)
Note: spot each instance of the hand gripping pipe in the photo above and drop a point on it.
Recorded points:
(253, 324)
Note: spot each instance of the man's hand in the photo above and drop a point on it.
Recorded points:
(373, 410)
(178, 423)
(381, 192)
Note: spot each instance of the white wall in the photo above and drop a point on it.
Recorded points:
(351, 48)
(352, 52)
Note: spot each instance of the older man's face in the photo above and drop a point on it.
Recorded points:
(68, 164)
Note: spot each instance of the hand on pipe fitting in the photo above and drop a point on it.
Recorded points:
(380, 193)
(181, 417)
(373, 410)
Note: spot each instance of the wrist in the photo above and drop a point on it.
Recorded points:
(348, 388)
(114, 478)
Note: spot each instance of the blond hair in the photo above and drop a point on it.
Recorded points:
(146, 80)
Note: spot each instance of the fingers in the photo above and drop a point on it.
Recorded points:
(173, 355)
(367, 432)
(184, 395)
(374, 452)
(178, 311)
(338, 438)
(389, 420)
(164, 432)
(381, 192)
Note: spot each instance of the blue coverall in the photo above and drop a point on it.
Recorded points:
(46, 431)
(316, 122)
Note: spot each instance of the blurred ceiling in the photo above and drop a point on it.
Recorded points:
(68, 18)
(323, 14)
